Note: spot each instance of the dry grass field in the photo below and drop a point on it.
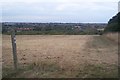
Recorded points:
(61, 56)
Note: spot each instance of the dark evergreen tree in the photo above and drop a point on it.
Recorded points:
(113, 24)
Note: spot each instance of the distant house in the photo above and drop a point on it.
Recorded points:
(77, 27)
(102, 29)
(24, 29)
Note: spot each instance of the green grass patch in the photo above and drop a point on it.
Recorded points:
(35, 70)
(98, 71)
(101, 42)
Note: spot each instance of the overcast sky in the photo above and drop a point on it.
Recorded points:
(87, 11)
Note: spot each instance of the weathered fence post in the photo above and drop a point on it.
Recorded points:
(13, 39)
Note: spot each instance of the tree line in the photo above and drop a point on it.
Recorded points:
(54, 28)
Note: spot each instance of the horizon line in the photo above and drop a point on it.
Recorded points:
(52, 22)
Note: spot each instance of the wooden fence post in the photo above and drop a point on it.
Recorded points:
(13, 39)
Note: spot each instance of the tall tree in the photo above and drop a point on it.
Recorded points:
(113, 24)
